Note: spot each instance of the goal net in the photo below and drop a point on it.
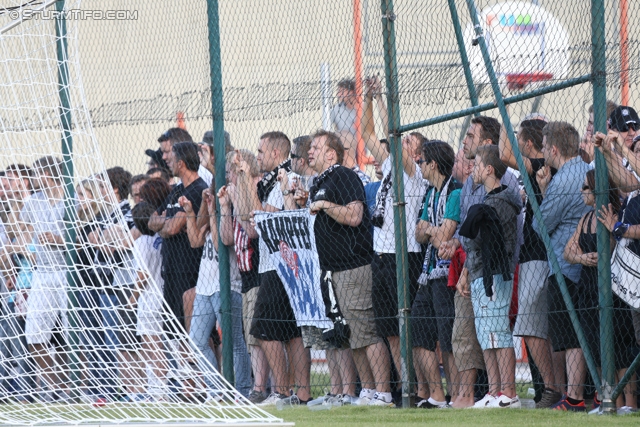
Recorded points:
(86, 334)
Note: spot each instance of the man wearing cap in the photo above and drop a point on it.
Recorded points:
(173, 136)
(623, 126)
(155, 160)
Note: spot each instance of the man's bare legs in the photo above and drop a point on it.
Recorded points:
(378, 357)
(576, 373)
(559, 373)
(422, 391)
(301, 359)
(431, 370)
(42, 358)
(276, 357)
(260, 366)
(394, 345)
(451, 373)
(465, 398)
(364, 369)
(541, 354)
(343, 371)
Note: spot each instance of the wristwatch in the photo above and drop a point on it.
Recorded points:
(287, 192)
(619, 229)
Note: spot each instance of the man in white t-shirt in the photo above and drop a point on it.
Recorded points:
(148, 247)
(43, 215)
(207, 306)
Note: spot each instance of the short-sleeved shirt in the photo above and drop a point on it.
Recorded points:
(384, 237)
(341, 247)
(451, 209)
(177, 253)
(149, 253)
(44, 216)
(533, 247)
(451, 212)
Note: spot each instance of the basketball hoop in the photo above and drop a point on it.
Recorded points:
(520, 80)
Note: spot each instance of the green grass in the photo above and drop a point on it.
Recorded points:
(356, 416)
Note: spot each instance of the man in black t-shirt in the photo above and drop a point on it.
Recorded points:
(532, 321)
(345, 251)
(180, 262)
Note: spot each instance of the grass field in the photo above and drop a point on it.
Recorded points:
(356, 416)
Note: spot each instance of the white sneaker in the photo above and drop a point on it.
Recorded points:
(484, 402)
(381, 399)
(366, 395)
(272, 399)
(504, 401)
(350, 400)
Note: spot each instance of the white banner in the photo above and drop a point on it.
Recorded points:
(292, 248)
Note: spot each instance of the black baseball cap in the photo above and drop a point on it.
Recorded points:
(156, 156)
(622, 118)
(207, 139)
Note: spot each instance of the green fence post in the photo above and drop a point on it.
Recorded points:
(397, 170)
(598, 71)
(70, 216)
(530, 193)
(217, 111)
(473, 95)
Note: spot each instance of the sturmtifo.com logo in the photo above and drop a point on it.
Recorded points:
(75, 14)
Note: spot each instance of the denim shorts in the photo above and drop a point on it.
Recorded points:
(492, 314)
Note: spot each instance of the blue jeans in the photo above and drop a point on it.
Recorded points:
(101, 382)
(109, 309)
(206, 311)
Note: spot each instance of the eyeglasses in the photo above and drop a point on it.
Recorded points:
(421, 161)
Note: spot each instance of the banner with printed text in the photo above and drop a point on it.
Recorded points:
(292, 248)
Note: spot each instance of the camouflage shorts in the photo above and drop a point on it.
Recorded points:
(312, 338)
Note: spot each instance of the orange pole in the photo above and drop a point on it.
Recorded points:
(357, 58)
(624, 52)
(180, 120)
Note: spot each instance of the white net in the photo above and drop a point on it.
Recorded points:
(87, 336)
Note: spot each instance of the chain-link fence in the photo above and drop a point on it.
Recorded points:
(481, 278)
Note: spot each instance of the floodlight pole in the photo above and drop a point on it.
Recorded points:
(70, 215)
(599, 73)
(479, 34)
(217, 111)
(399, 217)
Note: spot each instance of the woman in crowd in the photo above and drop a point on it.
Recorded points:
(582, 248)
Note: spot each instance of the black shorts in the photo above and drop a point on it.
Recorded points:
(384, 293)
(176, 284)
(273, 318)
(445, 311)
(561, 331)
(424, 326)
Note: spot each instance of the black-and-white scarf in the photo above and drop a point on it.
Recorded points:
(268, 181)
(436, 216)
(317, 182)
(381, 198)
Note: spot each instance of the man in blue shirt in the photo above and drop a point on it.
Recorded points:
(561, 209)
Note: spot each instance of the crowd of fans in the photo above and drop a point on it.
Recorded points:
(478, 271)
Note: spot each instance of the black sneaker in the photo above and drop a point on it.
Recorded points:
(257, 397)
(549, 398)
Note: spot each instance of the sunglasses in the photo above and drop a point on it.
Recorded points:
(585, 187)
(295, 156)
(421, 161)
(624, 127)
